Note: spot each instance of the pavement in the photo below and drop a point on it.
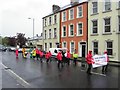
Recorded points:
(29, 73)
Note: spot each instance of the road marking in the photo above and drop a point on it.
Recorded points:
(95, 73)
(98, 73)
(17, 78)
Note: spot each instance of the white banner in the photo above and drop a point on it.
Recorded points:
(99, 60)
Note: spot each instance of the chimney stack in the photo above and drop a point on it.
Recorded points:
(55, 8)
(74, 2)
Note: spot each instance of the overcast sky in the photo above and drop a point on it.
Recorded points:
(14, 15)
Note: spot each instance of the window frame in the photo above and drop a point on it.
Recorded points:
(45, 22)
(78, 11)
(45, 46)
(50, 20)
(93, 47)
(50, 33)
(119, 24)
(55, 19)
(64, 18)
(72, 14)
(104, 32)
(50, 44)
(71, 47)
(92, 31)
(55, 33)
(63, 43)
(94, 7)
(78, 34)
(106, 1)
(70, 30)
(109, 48)
(45, 34)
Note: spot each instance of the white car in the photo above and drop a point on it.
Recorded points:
(54, 51)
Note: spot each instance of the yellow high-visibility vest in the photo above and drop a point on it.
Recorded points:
(75, 55)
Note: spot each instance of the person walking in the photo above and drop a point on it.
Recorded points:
(30, 52)
(23, 52)
(47, 57)
(89, 60)
(104, 68)
(37, 53)
(63, 58)
(50, 56)
(68, 56)
(59, 58)
(16, 52)
(34, 53)
(75, 56)
(41, 55)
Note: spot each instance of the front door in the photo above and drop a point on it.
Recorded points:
(83, 50)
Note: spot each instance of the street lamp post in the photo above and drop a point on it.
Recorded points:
(33, 26)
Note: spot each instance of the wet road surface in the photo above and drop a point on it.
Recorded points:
(43, 75)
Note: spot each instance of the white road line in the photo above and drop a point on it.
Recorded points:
(98, 74)
(95, 73)
(17, 78)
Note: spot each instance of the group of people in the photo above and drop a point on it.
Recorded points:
(62, 57)
(35, 53)
(90, 61)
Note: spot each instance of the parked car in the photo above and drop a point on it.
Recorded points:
(54, 51)
(2, 48)
(11, 49)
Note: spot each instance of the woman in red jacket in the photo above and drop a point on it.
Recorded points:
(89, 61)
(41, 55)
(50, 56)
(47, 56)
(68, 57)
(59, 58)
(104, 68)
(16, 52)
(37, 53)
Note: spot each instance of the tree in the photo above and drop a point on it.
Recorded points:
(21, 40)
(5, 41)
(12, 41)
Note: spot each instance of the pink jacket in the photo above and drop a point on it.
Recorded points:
(41, 53)
(47, 55)
(107, 56)
(89, 58)
(16, 51)
(59, 56)
(68, 54)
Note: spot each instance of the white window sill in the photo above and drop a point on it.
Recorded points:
(71, 36)
(79, 17)
(64, 21)
(107, 11)
(94, 14)
(118, 33)
(64, 36)
(79, 35)
(94, 34)
(110, 56)
(107, 33)
(118, 8)
(71, 19)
